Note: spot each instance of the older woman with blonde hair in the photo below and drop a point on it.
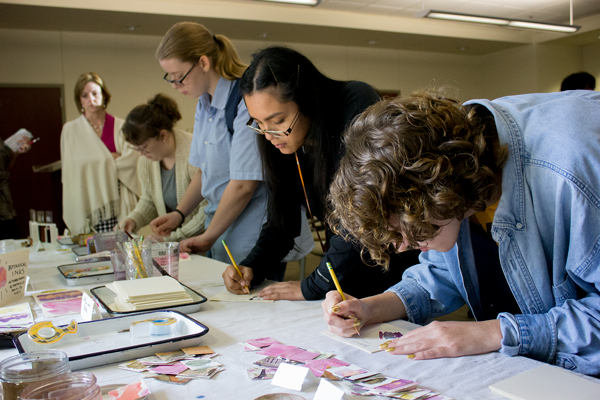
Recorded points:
(99, 172)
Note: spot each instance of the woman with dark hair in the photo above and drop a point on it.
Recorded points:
(300, 115)
(164, 171)
(99, 177)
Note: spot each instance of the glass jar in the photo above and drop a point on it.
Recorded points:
(138, 260)
(73, 386)
(20, 371)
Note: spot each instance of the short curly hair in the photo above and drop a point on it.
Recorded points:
(423, 158)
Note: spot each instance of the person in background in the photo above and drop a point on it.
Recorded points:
(299, 115)
(8, 223)
(164, 171)
(99, 171)
(229, 175)
(502, 198)
(578, 81)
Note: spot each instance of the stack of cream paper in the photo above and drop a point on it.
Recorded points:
(143, 294)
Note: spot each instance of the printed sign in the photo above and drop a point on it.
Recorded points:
(13, 276)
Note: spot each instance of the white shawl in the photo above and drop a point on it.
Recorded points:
(91, 177)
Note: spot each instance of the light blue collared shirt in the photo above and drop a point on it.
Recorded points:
(222, 156)
(547, 227)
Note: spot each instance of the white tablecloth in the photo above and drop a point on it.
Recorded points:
(292, 323)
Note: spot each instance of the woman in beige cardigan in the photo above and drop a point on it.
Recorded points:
(164, 171)
(99, 171)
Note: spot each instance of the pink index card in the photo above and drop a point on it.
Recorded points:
(400, 384)
(303, 356)
(319, 366)
(262, 342)
(170, 369)
(130, 392)
(277, 349)
(346, 371)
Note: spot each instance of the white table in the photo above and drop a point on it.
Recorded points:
(292, 323)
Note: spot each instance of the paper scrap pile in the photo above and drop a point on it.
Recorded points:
(356, 380)
(143, 294)
(177, 367)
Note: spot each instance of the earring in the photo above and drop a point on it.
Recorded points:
(82, 110)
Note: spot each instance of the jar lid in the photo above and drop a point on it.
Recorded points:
(34, 366)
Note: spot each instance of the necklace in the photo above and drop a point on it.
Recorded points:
(96, 128)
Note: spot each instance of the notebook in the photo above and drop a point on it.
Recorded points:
(547, 382)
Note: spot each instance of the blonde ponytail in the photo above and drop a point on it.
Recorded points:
(188, 41)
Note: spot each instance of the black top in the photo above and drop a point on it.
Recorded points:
(356, 277)
(494, 292)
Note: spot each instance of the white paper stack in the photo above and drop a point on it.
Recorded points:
(143, 294)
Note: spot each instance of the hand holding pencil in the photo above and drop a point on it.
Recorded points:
(336, 308)
(227, 282)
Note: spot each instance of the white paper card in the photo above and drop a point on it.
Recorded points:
(88, 306)
(369, 337)
(290, 376)
(13, 140)
(547, 383)
(328, 391)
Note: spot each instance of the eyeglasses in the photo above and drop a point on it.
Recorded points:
(178, 81)
(273, 133)
(142, 151)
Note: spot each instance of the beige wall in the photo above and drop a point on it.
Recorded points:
(591, 61)
(127, 64)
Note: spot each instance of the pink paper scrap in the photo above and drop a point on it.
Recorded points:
(170, 369)
(288, 352)
(395, 386)
(303, 356)
(262, 342)
(130, 392)
(277, 350)
(319, 366)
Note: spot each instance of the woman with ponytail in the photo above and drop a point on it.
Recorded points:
(200, 64)
(164, 171)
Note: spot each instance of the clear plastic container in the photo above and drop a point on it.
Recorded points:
(118, 260)
(73, 386)
(107, 241)
(166, 255)
(139, 260)
(20, 371)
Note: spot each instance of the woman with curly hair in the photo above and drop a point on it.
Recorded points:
(502, 199)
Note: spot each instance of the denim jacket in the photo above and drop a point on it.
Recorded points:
(547, 227)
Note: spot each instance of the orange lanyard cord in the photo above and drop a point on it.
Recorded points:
(312, 219)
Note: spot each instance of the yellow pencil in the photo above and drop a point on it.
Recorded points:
(339, 289)
(138, 255)
(234, 263)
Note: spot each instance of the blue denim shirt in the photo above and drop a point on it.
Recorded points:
(547, 226)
